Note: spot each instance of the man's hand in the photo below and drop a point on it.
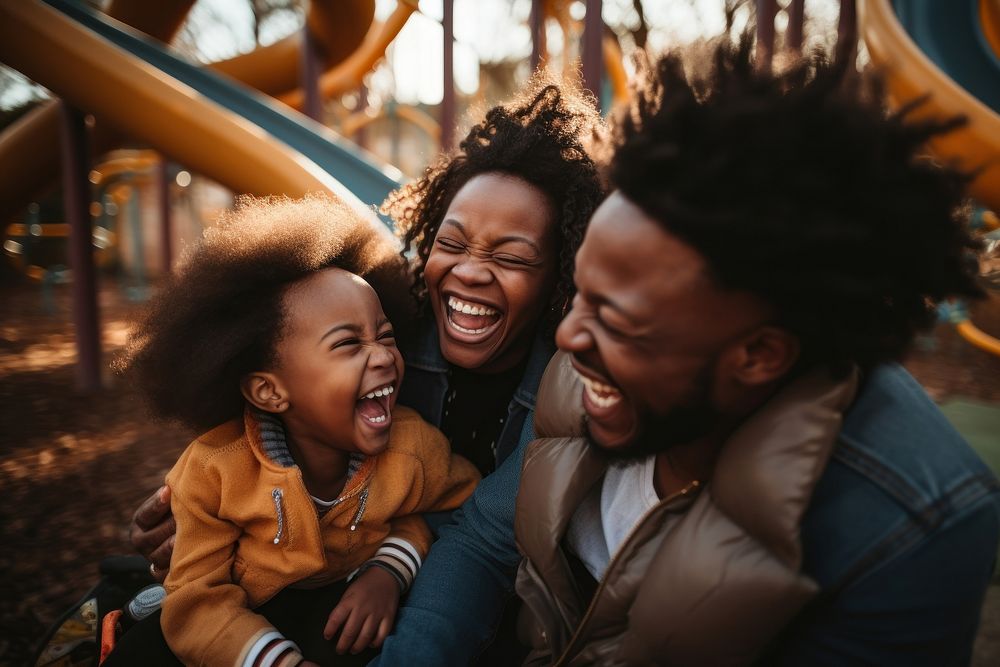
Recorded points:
(366, 611)
(152, 532)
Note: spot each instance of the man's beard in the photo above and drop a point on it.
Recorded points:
(694, 418)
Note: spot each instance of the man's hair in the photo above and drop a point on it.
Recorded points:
(219, 316)
(541, 136)
(798, 187)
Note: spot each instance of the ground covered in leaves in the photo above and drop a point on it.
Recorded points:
(74, 467)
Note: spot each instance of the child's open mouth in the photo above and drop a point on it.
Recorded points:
(374, 405)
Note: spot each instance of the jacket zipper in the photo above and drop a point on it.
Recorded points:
(276, 496)
(362, 501)
(693, 486)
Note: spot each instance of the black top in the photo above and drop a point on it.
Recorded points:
(475, 411)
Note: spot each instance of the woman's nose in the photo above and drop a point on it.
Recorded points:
(473, 270)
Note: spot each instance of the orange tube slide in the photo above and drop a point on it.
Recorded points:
(911, 74)
(164, 113)
(29, 149)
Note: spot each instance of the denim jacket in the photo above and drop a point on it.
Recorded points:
(425, 386)
(901, 535)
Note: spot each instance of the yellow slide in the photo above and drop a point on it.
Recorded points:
(348, 42)
(941, 49)
(950, 52)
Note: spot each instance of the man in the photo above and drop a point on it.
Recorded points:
(759, 482)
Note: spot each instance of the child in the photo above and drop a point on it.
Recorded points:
(313, 475)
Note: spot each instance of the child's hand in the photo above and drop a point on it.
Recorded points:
(366, 611)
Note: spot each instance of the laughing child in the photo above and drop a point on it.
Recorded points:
(298, 510)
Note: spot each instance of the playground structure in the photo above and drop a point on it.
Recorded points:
(209, 121)
(950, 54)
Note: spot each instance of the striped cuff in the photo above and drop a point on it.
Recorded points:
(273, 650)
(399, 558)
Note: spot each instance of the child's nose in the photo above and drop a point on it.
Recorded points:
(381, 355)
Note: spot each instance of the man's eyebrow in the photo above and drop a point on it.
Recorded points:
(599, 300)
(382, 322)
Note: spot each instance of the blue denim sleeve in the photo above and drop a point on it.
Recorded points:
(920, 608)
(458, 597)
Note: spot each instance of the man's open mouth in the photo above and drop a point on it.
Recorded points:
(600, 394)
(374, 405)
(471, 318)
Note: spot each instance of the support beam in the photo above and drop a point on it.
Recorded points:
(847, 30)
(536, 23)
(796, 19)
(76, 196)
(166, 222)
(309, 74)
(448, 99)
(766, 11)
(593, 49)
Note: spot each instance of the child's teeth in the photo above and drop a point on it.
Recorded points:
(384, 391)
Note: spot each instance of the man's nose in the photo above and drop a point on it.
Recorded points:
(571, 335)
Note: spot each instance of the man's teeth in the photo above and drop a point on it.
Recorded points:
(383, 391)
(601, 394)
(469, 308)
(376, 420)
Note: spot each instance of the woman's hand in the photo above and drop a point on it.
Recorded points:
(366, 611)
(152, 532)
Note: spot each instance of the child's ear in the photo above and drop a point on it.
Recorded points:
(264, 391)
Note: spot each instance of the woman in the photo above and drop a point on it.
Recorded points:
(495, 227)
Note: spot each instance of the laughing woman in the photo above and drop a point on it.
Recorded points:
(495, 227)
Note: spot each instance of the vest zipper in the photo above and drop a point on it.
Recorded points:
(276, 496)
(693, 486)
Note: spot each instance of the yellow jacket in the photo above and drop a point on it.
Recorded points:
(247, 527)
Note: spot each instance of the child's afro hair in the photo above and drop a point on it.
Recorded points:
(219, 315)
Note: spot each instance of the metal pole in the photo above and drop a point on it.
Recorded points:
(166, 223)
(847, 30)
(536, 22)
(448, 99)
(796, 17)
(766, 10)
(76, 194)
(593, 52)
(312, 104)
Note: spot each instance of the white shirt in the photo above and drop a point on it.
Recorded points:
(610, 511)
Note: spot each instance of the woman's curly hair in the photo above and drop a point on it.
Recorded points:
(542, 137)
(799, 187)
(219, 316)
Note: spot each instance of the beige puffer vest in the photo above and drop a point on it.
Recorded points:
(711, 587)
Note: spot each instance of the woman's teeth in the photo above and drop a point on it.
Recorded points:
(383, 391)
(376, 420)
(601, 394)
(469, 310)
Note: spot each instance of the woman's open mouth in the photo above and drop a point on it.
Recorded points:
(469, 321)
(375, 407)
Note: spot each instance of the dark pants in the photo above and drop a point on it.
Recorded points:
(300, 615)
